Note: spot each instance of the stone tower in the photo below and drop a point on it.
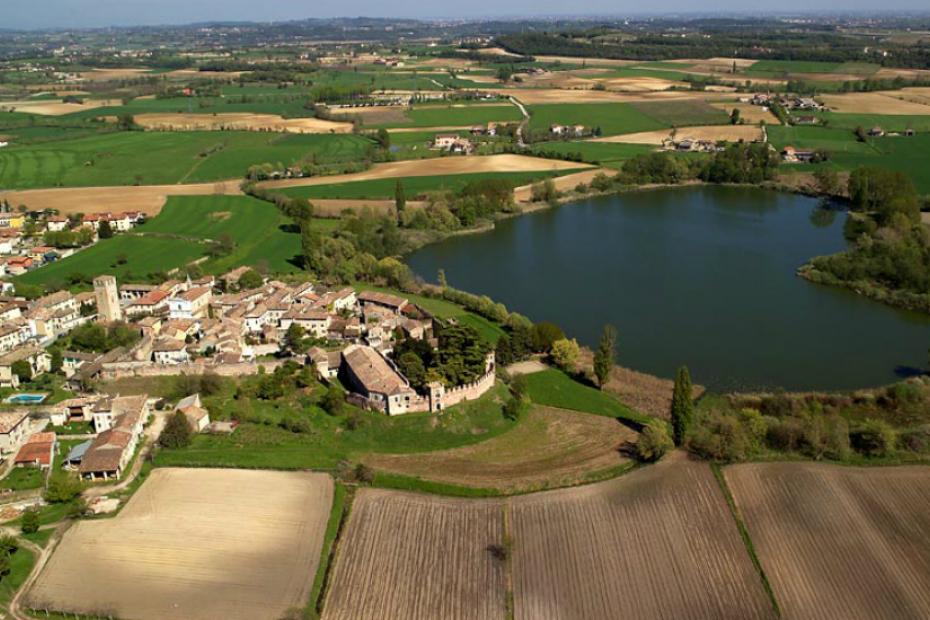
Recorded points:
(108, 309)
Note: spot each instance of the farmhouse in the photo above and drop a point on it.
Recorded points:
(12, 429)
(876, 132)
(74, 457)
(374, 298)
(38, 451)
(792, 155)
(110, 452)
(453, 143)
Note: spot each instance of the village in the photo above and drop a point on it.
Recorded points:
(233, 325)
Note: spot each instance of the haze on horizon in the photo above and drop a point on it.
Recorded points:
(29, 14)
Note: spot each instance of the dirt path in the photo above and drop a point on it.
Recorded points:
(42, 555)
(523, 124)
(526, 368)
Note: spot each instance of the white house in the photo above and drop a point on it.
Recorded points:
(190, 304)
(12, 429)
(197, 416)
(169, 351)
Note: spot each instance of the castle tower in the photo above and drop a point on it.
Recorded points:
(108, 308)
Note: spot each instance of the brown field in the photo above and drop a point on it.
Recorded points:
(416, 556)
(588, 61)
(373, 115)
(550, 447)
(195, 544)
(748, 112)
(240, 121)
(435, 167)
(657, 543)
(730, 133)
(146, 198)
(716, 65)
(641, 84)
(874, 103)
(56, 108)
(908, 74)
(563, 183)
(839, 543)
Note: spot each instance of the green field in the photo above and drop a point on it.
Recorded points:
(143, 255)
(604, 153)
(612, 118)
(664, 73)
(910, 155)
(556, 389)
(153, 158)
(257, 227)
(181, 233)
(413, 186)
(458, 115)
(888, 122)
(683, 113)
(806, 137)
(766, 68)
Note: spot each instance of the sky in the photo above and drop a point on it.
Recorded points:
(32, 14)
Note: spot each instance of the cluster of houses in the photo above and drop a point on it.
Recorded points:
(567, 131)
(789, 102)
(690, 145)
(20, 252)
(453, 143)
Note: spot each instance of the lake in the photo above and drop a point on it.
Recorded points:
(698, 276)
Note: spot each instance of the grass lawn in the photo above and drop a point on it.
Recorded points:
(41, 537)
(413, 186)
(74, 428)
(556, 389)
(336, 513)
(828, 139)
(152, 158)
(683, 113)
(331, 441)
(22, 478)
(612, 118)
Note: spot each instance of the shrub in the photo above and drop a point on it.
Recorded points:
(30, 521)
(565, 354)
(915, 440)
(728, 436)
(654, 442)
(62, 488)
(874, 438)
(826, 437)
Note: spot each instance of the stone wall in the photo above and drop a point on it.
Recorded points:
(118, 370)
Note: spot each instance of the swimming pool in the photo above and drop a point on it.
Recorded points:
(26, 399)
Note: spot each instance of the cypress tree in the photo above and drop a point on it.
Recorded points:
(604, 356)
(400, 198)
(682, 406)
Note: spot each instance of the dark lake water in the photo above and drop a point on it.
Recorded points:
(696, 276)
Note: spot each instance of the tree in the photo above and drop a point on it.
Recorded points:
(604, 356)
(22, 370)
(565, 354)
(57, 360)
(62, 487)
(545, 334)
(412, 367)
(30, 521)
(126, 122)
(250, 279)
(734, 116)
(295, 339)
(682, 406)
(105, 231)
(400, 198)
(653, 442)
(177, 432)
(383, 138)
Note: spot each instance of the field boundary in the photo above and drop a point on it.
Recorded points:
(744, 534)
(343, 496)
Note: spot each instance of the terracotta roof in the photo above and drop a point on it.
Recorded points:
(383, 299)
(47, 437)
(36, 452)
